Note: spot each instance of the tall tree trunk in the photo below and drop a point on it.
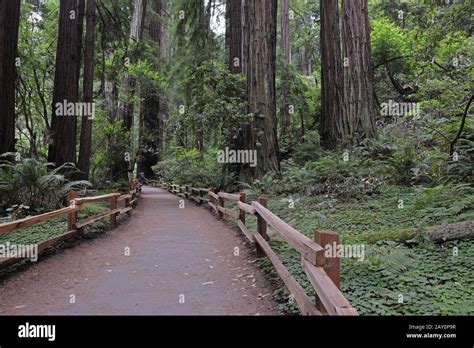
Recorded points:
(62, 148)
(234, 33)
(126, 111)
(303, 61)
(246, 135)
(88, 86)
(261, 22)
(9, 24)
(163, 56)
(245, 36)
(285, 116)
(235, 36)
(136, 32)
(332, 125)
(227, 31)
(358, 106)
(151, 130)
(285, 30)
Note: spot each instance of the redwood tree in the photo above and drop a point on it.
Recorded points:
(347, 103)
(62, 146)
(235, 35)
(9, 22)
(261, 20)
(332, 125)
(285, 116)
(136, 33)
(358, 106)
(88, 86)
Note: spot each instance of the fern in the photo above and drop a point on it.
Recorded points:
(36, 184)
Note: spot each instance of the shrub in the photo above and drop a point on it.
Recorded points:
(259, 187)
(190, 167)
(461, 169)
(331, 175)
(37, 185)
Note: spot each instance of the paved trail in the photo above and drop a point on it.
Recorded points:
(176, 255)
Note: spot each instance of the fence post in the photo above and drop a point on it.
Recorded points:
(113, 206)
(222, 204)
(242, 198)
(331, 264)
(72, 217)
(261, 226)
(211, 199)
(187, 193)
(127, 204)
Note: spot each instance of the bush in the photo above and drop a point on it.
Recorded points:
(37, 185)
(190, 167)
(461, 169)
(263, 186)
(333, 176)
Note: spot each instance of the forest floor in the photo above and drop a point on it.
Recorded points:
(164, 260)
(397, 276)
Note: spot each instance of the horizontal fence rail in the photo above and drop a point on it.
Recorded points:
(74, 226)
(322, 273)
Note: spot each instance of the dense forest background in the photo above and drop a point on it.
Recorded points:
(360, 113)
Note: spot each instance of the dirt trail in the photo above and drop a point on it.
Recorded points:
(176, 255)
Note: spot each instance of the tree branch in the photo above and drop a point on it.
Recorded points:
(461, 127)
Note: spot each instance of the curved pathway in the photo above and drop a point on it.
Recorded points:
(164, 260)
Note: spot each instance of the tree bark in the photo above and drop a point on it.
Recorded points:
(261, 22)
(461, 126)
(285, 30)
(235, 36)
(452, 231)
(285, 116)
(245, 36)
(358, 106)
(126, 111)
(332, 126)
(9, 25)
(62, 148)
(85, 148)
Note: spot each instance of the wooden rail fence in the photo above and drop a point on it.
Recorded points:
(75, 226)
(323, 273)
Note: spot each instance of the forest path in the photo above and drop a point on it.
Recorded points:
(181, 262)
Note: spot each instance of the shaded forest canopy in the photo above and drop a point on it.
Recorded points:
(117, 87)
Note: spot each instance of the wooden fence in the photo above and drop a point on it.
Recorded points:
(323, 273)
(75, 226)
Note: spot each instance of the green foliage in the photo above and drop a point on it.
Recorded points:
(36, 233)
(432, 281)
(37, 185)
(302, 96)
(461, 169)
(259, 187)
(90, 209)
(444, 201)
(331, 175)
(307, 149)
(397, 258)
(388, 41)
(190, 167)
